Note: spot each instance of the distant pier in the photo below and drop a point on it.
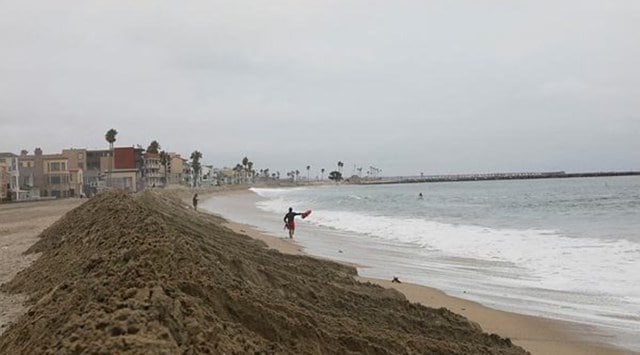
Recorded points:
(491, 176)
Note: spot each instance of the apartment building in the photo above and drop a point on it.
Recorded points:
(97, 163)
(128, 163)
(151, 170)
(77, 159)
(173, 173)
(12, 176)
(57, 176)
(208, 175)
(4, 181)
(48, 175)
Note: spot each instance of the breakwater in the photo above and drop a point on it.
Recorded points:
(492, 176)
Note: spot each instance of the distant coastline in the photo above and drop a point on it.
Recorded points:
(491, 176)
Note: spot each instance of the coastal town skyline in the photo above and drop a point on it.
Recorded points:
(409, 87)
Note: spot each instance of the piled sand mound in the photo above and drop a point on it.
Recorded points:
(146, 274)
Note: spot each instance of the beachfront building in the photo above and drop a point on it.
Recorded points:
(188, 178)
(187, 174)
(126, 179)
(226, 176)
(47, 175)
(208, 176)
(11, 161)
(205, 176)
(57, 176)
(97, 162)
(173, 173)
(76, 183)
(120, 169)
(77, 159)
(128, 165)
(28, 173)
(4, 181)
(151, 170)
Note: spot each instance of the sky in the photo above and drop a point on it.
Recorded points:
(410, 87)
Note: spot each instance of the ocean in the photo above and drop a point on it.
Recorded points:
(566, 249)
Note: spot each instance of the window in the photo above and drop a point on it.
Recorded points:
(57, 166)
(58, 179)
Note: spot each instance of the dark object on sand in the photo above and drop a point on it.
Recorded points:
(396, 280)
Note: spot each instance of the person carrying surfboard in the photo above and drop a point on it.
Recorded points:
(289, 222)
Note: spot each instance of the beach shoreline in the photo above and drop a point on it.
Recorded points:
(537, 335)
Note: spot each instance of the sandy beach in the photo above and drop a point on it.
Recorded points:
(22, 223)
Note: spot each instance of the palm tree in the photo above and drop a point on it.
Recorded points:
(250, 169)
(245, 162)
(154, 147)
(110, 136)
(195, 165)
(164, 160)
(322, 174)
(308, 167)
(340, 165)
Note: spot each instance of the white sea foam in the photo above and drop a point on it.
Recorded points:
(547, 259)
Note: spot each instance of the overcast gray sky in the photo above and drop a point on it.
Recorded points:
(407, 86)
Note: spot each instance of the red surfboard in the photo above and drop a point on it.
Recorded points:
(306, 213)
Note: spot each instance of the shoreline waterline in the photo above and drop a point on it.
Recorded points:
(536, 334)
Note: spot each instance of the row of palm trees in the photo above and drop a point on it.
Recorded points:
(243, 171)
(165, 158)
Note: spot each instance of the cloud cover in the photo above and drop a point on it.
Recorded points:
(407, 86)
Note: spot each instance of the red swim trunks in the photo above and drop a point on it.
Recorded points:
(291, 225)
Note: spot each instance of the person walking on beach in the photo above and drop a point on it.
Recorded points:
(289, 223)
(195, 202)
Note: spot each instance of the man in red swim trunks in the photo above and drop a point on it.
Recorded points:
(289, 223)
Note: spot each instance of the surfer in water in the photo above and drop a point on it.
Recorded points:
(289, 223)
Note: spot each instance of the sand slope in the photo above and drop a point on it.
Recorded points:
(146, 274)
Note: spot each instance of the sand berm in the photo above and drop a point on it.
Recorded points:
(146, 274)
